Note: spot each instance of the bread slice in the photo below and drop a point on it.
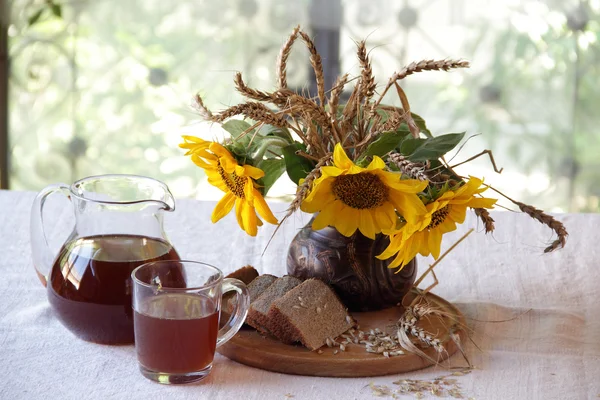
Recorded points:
(255, 288)
(245, 274)
(259, 308)
(309, 313)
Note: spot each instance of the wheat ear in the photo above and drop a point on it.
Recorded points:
(317, 64)
(366, 77)
(488, 221)
(549, 221)
(198, 105)
(407, 167)
(256, 111)
(284, 53)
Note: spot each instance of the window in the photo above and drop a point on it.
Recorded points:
(104, 87)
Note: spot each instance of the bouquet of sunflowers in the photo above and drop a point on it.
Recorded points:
(360, 166)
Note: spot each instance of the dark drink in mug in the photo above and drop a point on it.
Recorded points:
(176, 333)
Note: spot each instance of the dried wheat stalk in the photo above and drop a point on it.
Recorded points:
(306, 107)
(199, 106)
(485, 217)
(392, 123)
(424, 65)
(349, 113)
(407, 167)
(255, 110)
(428, 65)
(423, 336)
(367, 80)
(316, 63)
(254, 94)
(284, 53)
(336, 93)
(548, 220)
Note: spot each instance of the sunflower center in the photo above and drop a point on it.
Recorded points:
(364, 190)
(438, 217)
(233, 182)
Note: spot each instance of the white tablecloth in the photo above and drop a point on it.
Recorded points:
(550, 352)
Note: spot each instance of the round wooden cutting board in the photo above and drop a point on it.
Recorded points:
(251, 348)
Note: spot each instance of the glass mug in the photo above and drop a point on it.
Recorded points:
(176, 310)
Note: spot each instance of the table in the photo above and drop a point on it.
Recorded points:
(547, 348)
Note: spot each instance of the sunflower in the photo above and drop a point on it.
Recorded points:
(425, 236)
(237, 181)
(349, 197)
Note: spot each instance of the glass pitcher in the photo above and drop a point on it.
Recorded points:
(118, 226)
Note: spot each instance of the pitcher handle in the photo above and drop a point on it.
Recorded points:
(238, 316)
(40, 250)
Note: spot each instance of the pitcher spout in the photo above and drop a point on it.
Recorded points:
(168, 201)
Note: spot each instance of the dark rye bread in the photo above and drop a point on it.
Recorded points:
(259, 308)
(309, 313)
(255, 288)
(245, 274)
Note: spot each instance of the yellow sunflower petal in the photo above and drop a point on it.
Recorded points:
(223, 207)
(482, 202)
(405, 254)
(327, 215)
(238, 212)
(225, 158)
(457, 213)
(447, 226)
(413, 245)
(218, 183)
(263, 209)
(385, 216)
(435, 242)
(394, 181)
(408, 205)
(195, 139)
(249, 190)
(377, 163)
(366, 225)
(394, 246)
(340, 159)
(346, 222)
(318, 198)
(330, 171)
(201, 162)
(253, 172)
(249, 218)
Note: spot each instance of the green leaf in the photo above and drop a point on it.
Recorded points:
(273, 168)
(35, 17)
(410, 145)
(432, 148)
(269, 130)
(385, 143)
(56, 10)
(297, 166)
(236, 127)
(421, 124)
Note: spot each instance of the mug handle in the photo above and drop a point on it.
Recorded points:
(238, 316)
(40, 251)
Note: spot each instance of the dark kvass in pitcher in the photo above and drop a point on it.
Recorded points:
(90, 286)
